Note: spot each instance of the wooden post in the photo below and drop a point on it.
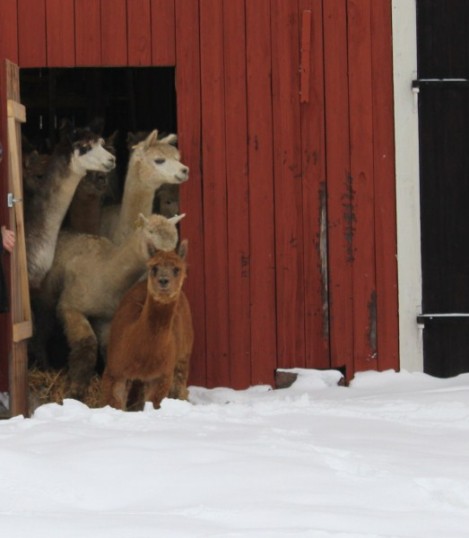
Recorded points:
(20, 303)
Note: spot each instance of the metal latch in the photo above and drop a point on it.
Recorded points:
(11, 200)
(422, 318)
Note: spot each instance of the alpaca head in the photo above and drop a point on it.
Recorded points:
(85, 148)
(34, 168)
(158, 232)
(96, 184)
(158, 161)
(166, 274)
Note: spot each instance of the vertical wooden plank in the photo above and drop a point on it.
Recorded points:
(237, 192)
(214, 192)
(189, 135)
(32, 33)
(9, 30)
(288, 185)
(361, 144)
(163, 45)
(314, 190)
(139, 32)
(385, 195)
(261, 189)
(114, 32)
(19, 300)
(9, 50)
(88, 32)
(339, 193)
(60, 25)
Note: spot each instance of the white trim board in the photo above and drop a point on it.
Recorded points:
(407, 184)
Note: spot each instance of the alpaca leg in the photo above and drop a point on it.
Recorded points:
(157, 389)
(83, 349)
(179, 386)
(115, 392)
(101, 329)
(43, 325)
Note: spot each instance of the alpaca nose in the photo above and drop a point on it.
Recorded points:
(163, 282)
(111, 162)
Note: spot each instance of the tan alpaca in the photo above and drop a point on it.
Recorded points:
(151, 335)
(152, 164)
(87, 280)
(79, 151)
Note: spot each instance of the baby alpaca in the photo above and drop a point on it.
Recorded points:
(151, 335)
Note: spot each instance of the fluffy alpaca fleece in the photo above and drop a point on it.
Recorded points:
(79, 151)
(153, 162)
(88, 278)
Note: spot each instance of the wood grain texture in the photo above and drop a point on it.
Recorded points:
(60, 24)
(32, 33)
(288, 186)
(188, 85)
(339, 194)
(139, 32)
(114, 32)
(261, 192)
(163, 32)
(215, 193)
(385, 187)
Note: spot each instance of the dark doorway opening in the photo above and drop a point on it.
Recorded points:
(128, 99)
(131, 101)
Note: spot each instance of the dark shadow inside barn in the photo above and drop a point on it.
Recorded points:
(132, 102)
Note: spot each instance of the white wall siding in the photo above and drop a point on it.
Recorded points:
(407, 184)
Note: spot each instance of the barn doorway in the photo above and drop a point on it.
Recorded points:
(131, 101)
(443, 88)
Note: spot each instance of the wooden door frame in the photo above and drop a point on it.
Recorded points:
(407, 184)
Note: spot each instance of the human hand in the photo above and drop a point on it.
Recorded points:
(8, 239)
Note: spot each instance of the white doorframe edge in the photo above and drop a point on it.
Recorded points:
(404, 22)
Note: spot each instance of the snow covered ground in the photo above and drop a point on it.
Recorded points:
(386, 457)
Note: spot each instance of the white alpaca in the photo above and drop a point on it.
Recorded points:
(79, 151)
(152, 164)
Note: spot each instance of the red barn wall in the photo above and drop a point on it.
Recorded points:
(285, 117)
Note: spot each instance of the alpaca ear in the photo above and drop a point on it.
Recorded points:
(176, 218)
(65, 130)
(141, 221)
(151, 139)
(151, 249)
(170, 139)
(183, 248)
(111, 139)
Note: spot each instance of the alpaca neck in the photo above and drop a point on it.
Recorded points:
(126, 264)
(137, 198)
(159, 316)
(60, 196)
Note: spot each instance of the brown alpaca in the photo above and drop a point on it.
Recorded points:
(87, 281)
(151, 335)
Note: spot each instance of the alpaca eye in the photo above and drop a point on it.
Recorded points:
(160, 161)
(176, 271)
(154, 270)
(83, 149)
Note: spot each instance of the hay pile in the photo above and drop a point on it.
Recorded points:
(51, 386)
